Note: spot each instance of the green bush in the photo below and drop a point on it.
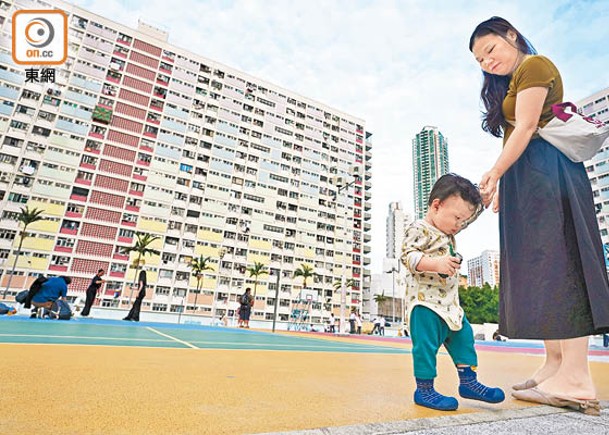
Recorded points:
(481, 305)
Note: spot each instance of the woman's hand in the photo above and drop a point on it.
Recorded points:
(496, 202)
(488, 187)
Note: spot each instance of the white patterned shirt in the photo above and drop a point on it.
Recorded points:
(429, 289)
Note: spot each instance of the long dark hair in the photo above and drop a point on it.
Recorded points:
(494, 87)
(142, 278)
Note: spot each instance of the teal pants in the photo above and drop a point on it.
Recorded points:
(428, 332)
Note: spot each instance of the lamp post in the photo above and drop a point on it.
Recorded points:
(342, 185)
(221, 254)
(276, 299)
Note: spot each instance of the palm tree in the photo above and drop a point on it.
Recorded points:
(305, 271)
(255, 271)
(26, 217)
(198, 267)
(142, 247)
(380, 300)
(348, 283)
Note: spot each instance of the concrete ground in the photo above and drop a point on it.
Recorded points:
(112, 377)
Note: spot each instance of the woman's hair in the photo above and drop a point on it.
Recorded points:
(142, 277)
(494, 87)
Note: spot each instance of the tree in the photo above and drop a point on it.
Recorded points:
(142, 247)
(198, 267)
(255, 271)
(349, 283)
(26, 217)
(304, 271)
(380, 300)
(481, 305)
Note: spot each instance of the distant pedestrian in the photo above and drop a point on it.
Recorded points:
(134, 313)
(352, 322)
(382, 327)
(376, 322)
(92, 291)
(246, 302)
(331, 322)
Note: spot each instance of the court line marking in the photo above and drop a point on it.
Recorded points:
(211, 344)
(83, 337)
(173, 338)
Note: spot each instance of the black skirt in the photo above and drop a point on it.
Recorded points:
(553, 280)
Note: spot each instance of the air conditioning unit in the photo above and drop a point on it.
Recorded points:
(27, 170)
(355, 170)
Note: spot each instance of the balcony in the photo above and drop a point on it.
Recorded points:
(66, 249)
(80, 198)
(58, 268)
(117, 274)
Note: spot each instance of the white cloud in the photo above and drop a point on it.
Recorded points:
(400, 65)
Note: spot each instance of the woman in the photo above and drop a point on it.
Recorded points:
(553, 279)
(134, 313)
(246, 302)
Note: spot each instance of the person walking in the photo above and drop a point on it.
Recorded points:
(554, 283)
(92, 290)
(134, 313)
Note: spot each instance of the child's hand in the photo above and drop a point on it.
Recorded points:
(447, 266)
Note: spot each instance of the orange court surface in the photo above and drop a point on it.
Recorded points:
(111, 377)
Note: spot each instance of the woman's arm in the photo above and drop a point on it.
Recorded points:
(529, 104)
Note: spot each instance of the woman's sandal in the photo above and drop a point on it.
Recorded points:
(529, 383)
(586, 406)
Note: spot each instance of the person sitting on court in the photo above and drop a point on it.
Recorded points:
(52, 289)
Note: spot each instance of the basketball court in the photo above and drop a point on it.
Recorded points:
(115, 377)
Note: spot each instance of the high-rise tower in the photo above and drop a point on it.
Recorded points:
(429, 161)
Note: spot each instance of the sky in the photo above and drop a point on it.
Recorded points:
(399, 65)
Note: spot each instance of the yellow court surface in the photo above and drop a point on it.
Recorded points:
(110, 377)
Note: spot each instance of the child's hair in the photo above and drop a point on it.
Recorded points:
(453, 184)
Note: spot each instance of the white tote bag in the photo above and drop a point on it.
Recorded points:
(576, 136)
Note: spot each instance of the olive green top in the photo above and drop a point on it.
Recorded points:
(534, 71)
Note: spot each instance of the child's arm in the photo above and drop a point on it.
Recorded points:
(446, 265)
(415, 258)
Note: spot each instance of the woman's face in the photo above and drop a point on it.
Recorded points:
(497, 55)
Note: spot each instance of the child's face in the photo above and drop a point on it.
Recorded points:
(449, 215)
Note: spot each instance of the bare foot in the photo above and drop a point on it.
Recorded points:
(567, 385)
(544, 372)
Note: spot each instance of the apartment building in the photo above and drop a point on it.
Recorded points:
(139, 136)
(397, 221)
(430, 162)
(597, 106)
(483, 269)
